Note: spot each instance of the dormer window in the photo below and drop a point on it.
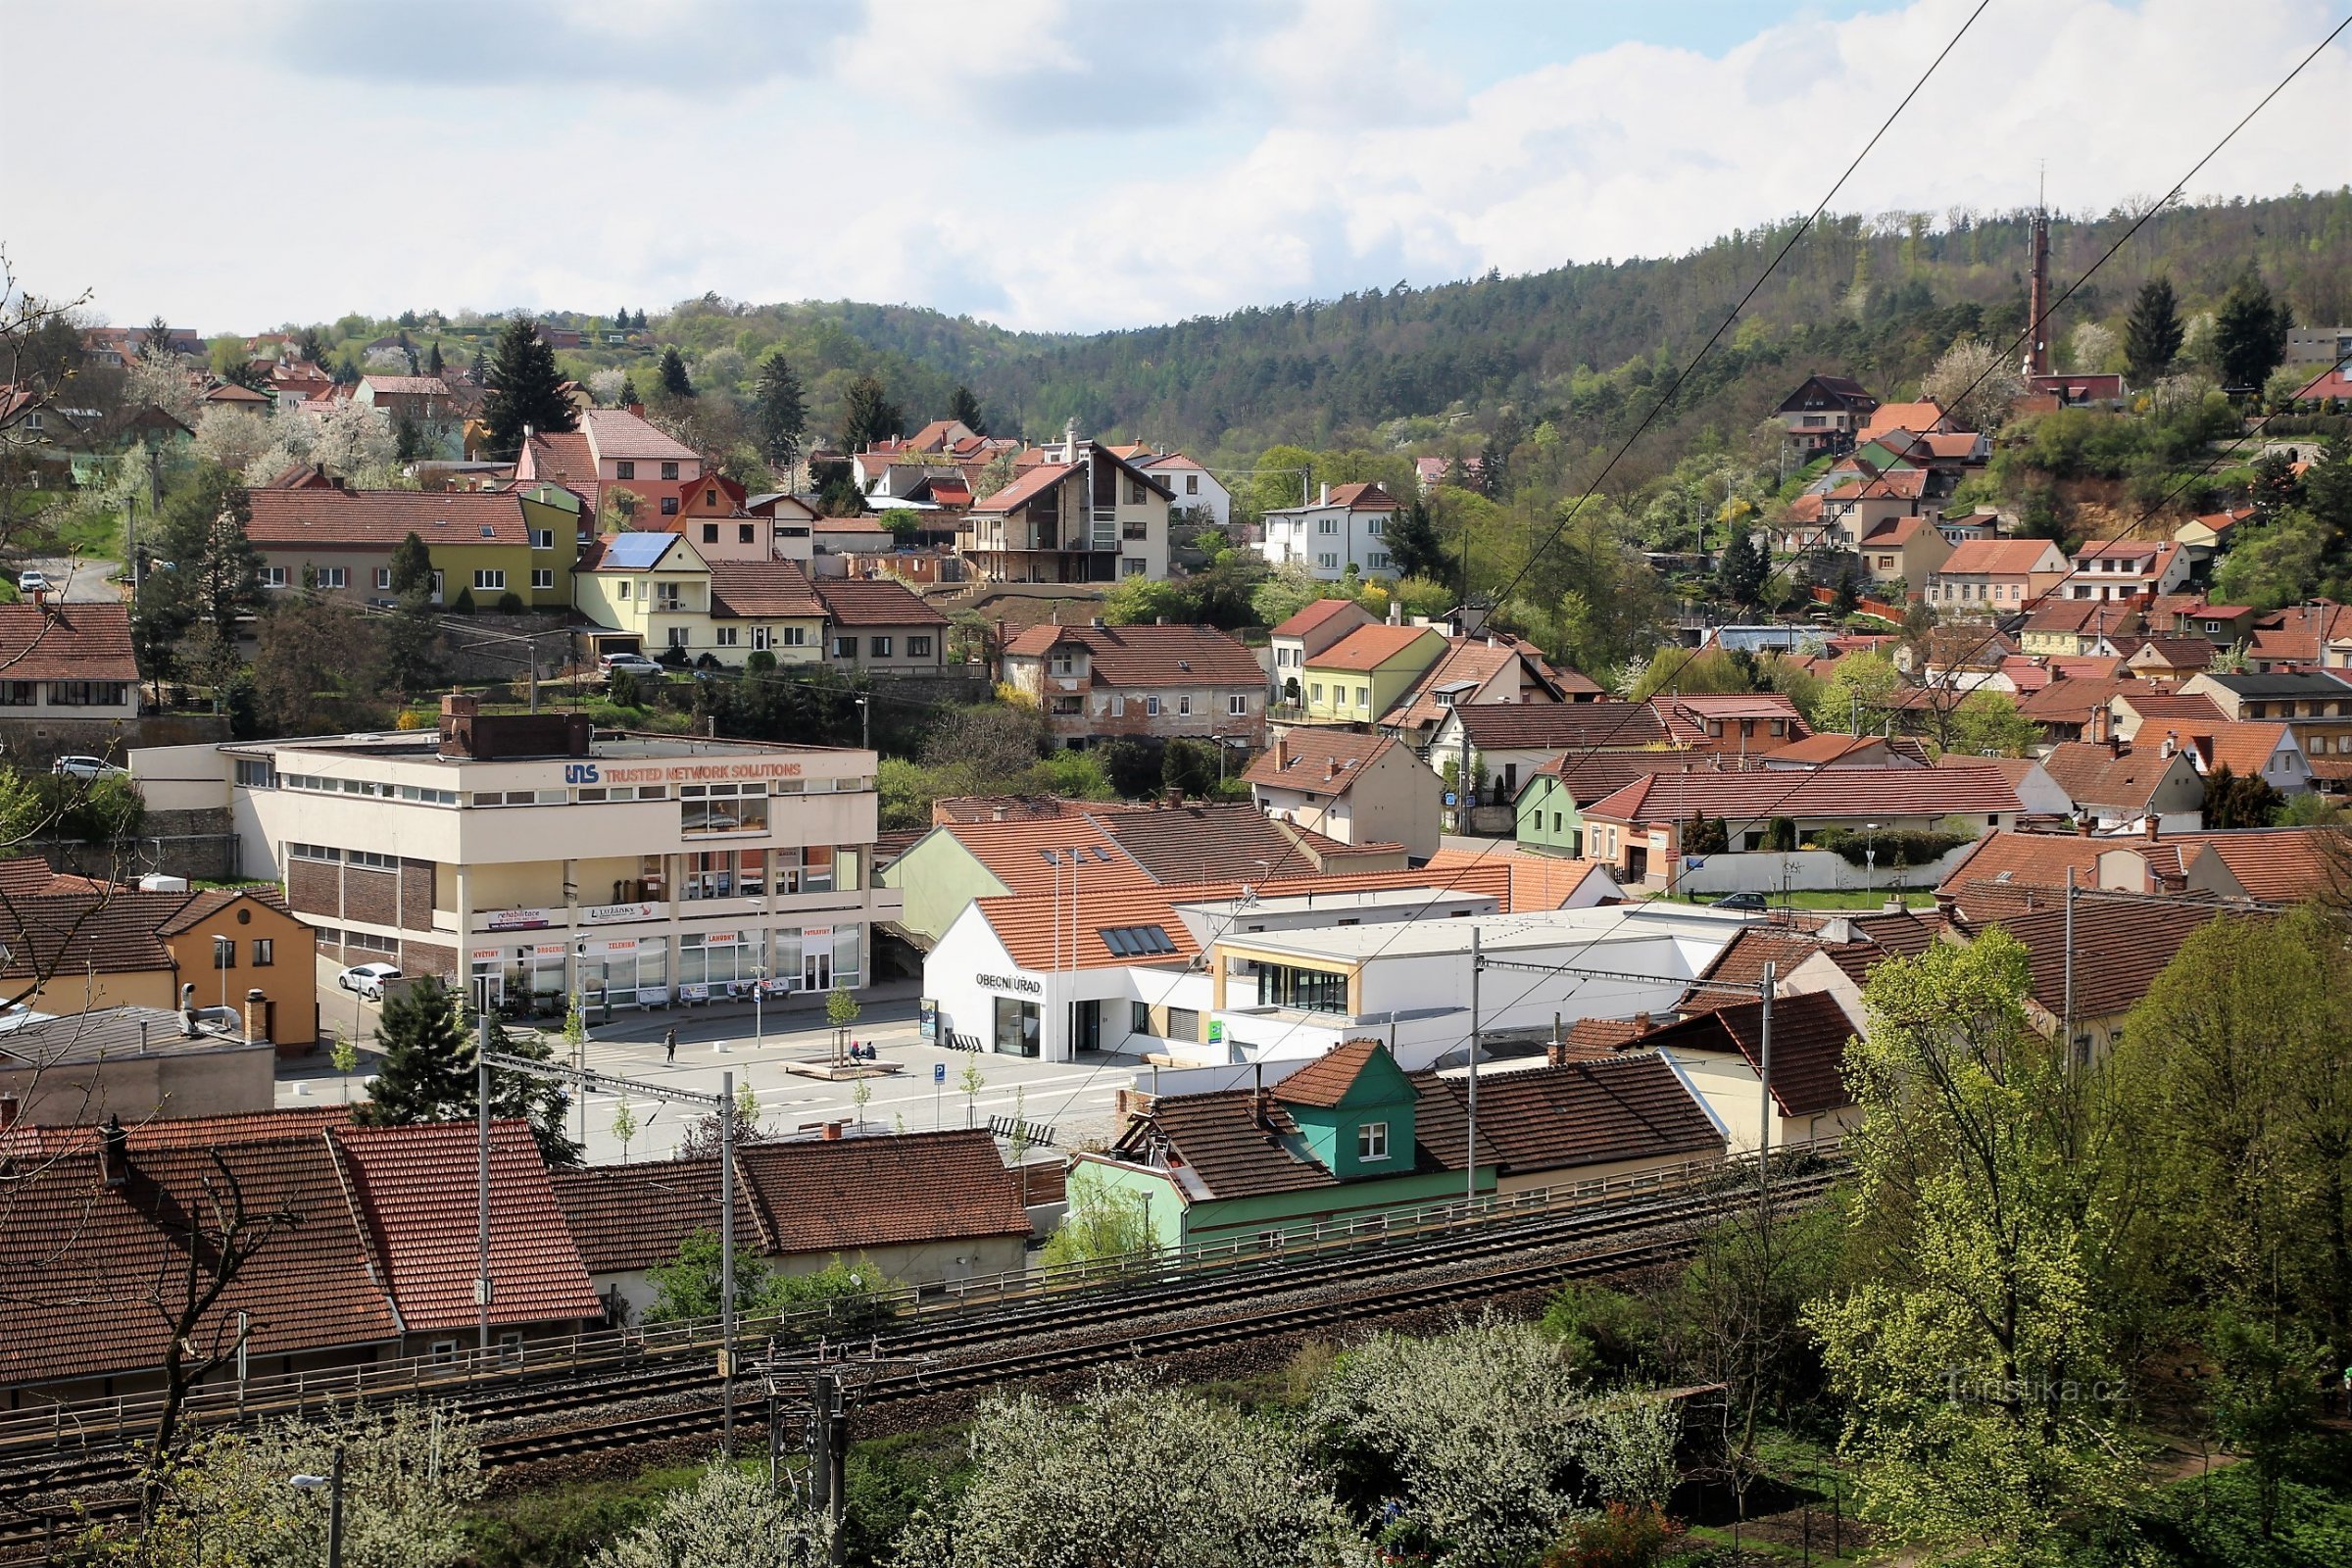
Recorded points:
(1372, 1142)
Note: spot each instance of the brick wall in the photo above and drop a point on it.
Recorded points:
(417, 895)
(427, 957)
(370, 896)
(313, 888)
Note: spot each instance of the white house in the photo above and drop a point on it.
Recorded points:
(1341, 529)
(1194, 488)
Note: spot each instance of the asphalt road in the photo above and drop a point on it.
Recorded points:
(87, 580)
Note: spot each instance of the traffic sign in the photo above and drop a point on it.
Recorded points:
(939, 1072)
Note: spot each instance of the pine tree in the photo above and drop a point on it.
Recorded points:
(527, 1096)
(965, 407)
(526, 389)
(639, 325)
(1740, 574)
(427, 1072)
(1415, 547)
(780, 412)
(1849, 596)
(481, 368)
(674, 379)
(2249, 334)
(411, 566)
(2152, 337)
(867, 415)
(434, 364)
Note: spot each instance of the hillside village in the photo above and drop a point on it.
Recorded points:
(982, 855)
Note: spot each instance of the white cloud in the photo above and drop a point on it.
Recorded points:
(1059, 163)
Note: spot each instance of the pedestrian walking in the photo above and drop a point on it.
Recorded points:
(669, 1045)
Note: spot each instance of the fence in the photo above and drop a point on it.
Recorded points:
(471, 1369)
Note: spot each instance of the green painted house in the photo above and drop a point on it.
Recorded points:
(1550, 822)
(1550, 804)
(1346, 1137)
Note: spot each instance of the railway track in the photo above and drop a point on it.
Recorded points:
(1621, 1230)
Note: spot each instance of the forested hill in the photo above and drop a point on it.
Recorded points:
(1581, 345)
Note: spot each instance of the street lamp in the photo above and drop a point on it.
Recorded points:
(224, 954)
(332, 1485)
(1870, 857)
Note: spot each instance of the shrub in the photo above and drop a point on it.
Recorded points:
(760, 661)
(463, 604)
(1896, 847)
(673, 657)
(511, 603)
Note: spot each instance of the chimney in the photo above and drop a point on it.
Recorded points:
(257, 1018)
(2082, 826)
(1281, 753)
(1331, 767)
(1641, 1024)
(1069, 441)
(527, 433)
(1324, 500)
(2151, 827)
(638, 408)
(2098, 725)
(114, 1153)
(832, 1133)
(1259, 1108)
(1556, 1055)
(2171, 742)
(1395, 612)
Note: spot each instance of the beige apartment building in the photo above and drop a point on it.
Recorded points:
(539, 858)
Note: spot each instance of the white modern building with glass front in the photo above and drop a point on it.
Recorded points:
(537, 859)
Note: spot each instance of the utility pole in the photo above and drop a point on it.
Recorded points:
(2065, 1021)
(1764, 1082)
(726, 1261)
(1478, 964)
(828, 1379)
(481, 1095)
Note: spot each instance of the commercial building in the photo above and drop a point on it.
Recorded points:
(1302, 993)
(535, 858)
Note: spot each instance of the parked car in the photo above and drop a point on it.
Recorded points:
(632, 663)
(368, 979)
(33, 582)
(92, 767)
(1741, 900)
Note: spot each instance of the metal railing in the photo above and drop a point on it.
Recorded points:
(899, 1308)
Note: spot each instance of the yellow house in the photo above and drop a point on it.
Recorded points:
(483, 544)
(74, 947)
(764, 606)
(647, 592)
(1359, 678)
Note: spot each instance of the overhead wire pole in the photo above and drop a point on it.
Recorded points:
(481, 1095)
(1764, 1080)
(726, 1261)
(1478, 964)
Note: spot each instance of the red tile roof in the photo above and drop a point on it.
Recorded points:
(1315, 614)
(67, 642)
(760, 590)
(1569, 727)
(417, 1187)
(616, 433)
(2120, 948)
(2245, 747)
(1134, 657)
(1023, 490)
(874, 602)
(1585, 1112)
(1370, 647)
(2095, 776)
(1810, 1032)
(2002, 558)
(381, 519)
(1318, 760)
(1325, 1081)
(1909, 418)
(1833, 793)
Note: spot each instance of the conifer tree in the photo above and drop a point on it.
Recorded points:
(1740, 574)
(427, 1071)
(434, 364)
(2153, 335)
(2249, 334)
(674, 379)
(1415, 547)
(780, 412)
(526, 389)
(867, 415)
(965, 407)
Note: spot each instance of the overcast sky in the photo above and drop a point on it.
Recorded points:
(1061, 165)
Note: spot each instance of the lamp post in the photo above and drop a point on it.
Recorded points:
(332, 1485)
(758, 1005)
(1870, 857)
(224, 954)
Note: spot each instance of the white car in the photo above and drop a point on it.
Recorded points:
(84, 767)
(633, 663)
(368, 979)
(33, 582)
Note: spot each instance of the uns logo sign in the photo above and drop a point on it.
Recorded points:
(579, 773)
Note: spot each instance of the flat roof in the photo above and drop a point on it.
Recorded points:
(1434, 891)
(1532, 930)
(423, 745)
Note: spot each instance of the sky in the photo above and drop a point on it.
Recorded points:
(1067, 164)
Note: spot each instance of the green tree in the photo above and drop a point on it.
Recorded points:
(1103, 1223)
(964, 406)
(1978, 1349)
(867, 416)
(2274, 563)
(1414, 547)
(779, 413)
(686, 1289)
(318, 666)
(2153, 335)
(727, 1519)
(1990, 723)
(1850, 594)
(434, 364)
(526, 389)
(2249, 334)
(2231, 802)
(1141, 601)
(1740, 573)
(1858, 696)
(426, 1073)
(676, 382)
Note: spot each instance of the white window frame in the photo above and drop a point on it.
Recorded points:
(334, 576)
(1372, 1142)
(273, 577)
(383, 578)
(489, 578)
(1237, 706)
(543, 577)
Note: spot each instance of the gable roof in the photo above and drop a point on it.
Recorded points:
(1569, 726)
(1024, 489)
(2002, 558)
(874, 602)
(2245, 747)
(1150, 656)
(613, 434)
(1910, 417)
(381, 519)
(64, 641)
(1368, 648)
(1325, 1082)
(1315, 614)
(1474, 662)
(1810, 1032)
(1836, 792)
(1588, 776)
(1318, 760)
(2096, 775)
(415, 1187)
(638, 550)
(2120, 948)
(760, 590)
(1585, 1112)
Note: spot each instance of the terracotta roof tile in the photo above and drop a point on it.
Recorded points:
(1843, 792)
(1134, 657)
(1567, 727)
(2096, 776)
(1313, 615)
(1318, 760)
(1023, 490)
(874, 602)
(758, 590)
(844, 1196)
(383, 518)
(417, 1187)
(1586, 1112)
(67, 642)
(1324, 1082)
(1810, 1032)
(616, 433)
(1370, 647)
(2002, 558)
